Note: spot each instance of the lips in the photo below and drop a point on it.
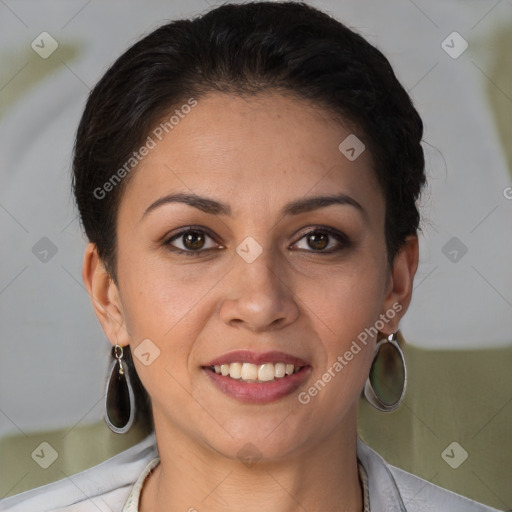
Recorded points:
(258, 392)
(252, 382)
(247, 356)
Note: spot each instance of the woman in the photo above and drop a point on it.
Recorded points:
(248, 182)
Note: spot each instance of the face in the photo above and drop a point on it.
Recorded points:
(247, 258)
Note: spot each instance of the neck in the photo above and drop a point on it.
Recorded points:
(193, 478)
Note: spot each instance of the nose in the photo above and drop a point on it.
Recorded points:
(259, 299)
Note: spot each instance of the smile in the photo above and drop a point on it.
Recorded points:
(249, 372)
(251, 378)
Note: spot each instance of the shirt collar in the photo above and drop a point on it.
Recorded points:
(382, 489)
(380, 492)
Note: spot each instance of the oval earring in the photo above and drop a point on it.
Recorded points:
(386, 384)
(119, 398)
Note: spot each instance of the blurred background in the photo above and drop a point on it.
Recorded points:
(453, 57)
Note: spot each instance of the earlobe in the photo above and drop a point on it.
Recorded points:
(104, 296)
(401, 281)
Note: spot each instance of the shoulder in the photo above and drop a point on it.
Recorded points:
(392, 488)
(103, 488)
(420, 495)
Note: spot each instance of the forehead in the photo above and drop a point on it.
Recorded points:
(276, 146)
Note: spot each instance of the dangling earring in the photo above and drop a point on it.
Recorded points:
(387, 381)
(119, 398)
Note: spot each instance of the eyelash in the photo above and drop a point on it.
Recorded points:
(338, 235)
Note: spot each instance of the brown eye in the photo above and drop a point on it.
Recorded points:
(318, 240)
(191, 242)
(325, 240)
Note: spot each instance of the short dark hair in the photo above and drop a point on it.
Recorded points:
(245, 49)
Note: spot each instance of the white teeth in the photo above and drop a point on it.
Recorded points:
(249, 372)
(235, 370)
(266, 372)
(280, 370)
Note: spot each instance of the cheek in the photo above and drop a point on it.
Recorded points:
(163, 306)
(167, 305)
(345, 312)
(158, 296)
(346, 351)
(346, 300)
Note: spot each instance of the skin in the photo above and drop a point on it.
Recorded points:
(255, 154)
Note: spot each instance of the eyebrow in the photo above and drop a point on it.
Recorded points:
(296, 207)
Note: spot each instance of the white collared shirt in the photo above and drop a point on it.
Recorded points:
(132, 503)
(115, 486)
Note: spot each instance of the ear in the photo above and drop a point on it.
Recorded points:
(400, 282)
(104, 296)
